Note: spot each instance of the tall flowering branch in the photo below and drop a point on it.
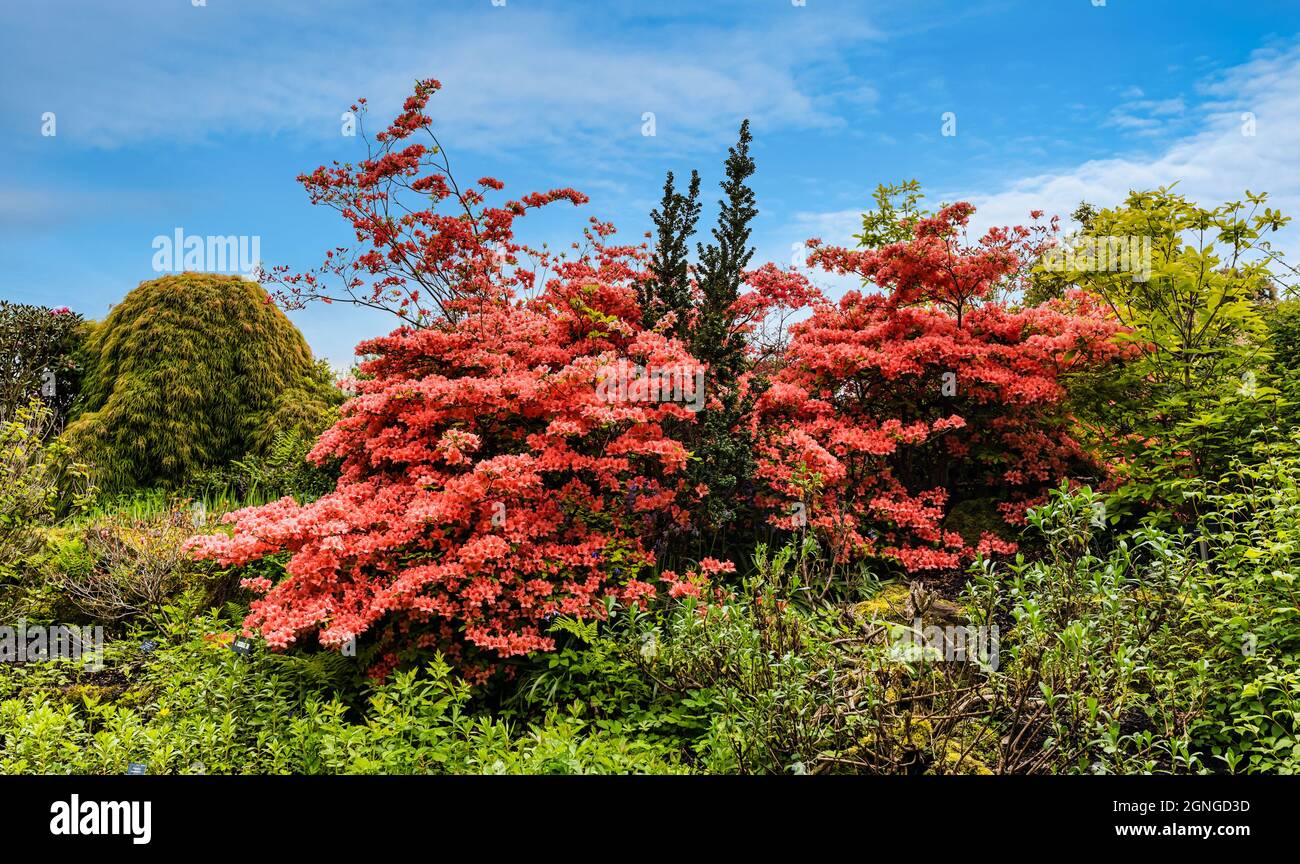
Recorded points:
(428, 248)
(939, 264)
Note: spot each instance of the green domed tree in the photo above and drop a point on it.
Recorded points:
(189, 372)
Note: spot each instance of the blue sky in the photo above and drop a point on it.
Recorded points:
(175, 116)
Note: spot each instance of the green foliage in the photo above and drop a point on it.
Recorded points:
(1199, 384)
(1247, 608)
(769, 680)
(721, 270)
(1146, 652)
(192, 371)
(197, 707)
(282, 470)
(722, 448)
(668, 291)
(39, 485)
(1168, 651)
(1095, 673)
(596, 674)
(898, 209)
(1283, 321)
(38, 357)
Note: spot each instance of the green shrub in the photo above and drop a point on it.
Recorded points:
(1246, 605)
(189, 372)
(1201, 389)
(198, 707)
(1172, 650)
(38, 357)
(1283, 320)
(1091, 673)
(121, 568)
(39, 485)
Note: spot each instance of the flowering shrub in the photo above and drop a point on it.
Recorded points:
(485, 485)
(488, 482)
(890, 403)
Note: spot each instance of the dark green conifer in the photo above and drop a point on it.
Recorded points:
(721, 448)
(721, 268)
(669, 289)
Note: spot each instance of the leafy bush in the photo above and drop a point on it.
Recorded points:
(119, 568)
(1246, 607)
(1200, 389)
(197, 707)
(1283, 321)
(39, 485)
(1094, 672)
(1173, 651)
(39, 357)
(189, 372)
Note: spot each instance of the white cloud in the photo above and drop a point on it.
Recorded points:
(1216, 163)
(131, 71)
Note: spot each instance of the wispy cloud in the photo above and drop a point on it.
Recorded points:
(1249, 123)
(1147, 116)
(131, 72)
(1246, 141)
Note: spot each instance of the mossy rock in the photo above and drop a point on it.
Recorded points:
(192, 371)
(888, 602)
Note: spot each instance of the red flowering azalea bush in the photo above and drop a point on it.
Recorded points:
(504, 460)
(486, 485)
(889, 404)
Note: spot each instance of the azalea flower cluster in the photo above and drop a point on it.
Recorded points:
(887, 402)
(485, 487)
